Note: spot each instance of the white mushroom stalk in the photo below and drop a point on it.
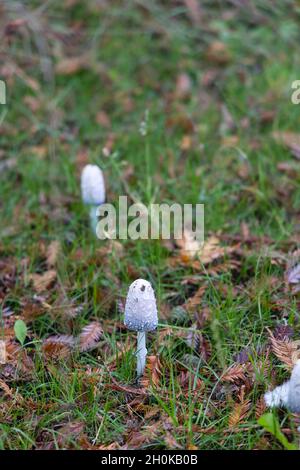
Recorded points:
(141, 316)
(92, 191)
(287, 394)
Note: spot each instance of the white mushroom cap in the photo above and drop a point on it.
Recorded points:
(92, 185)
(278, 396)
(294, 389)
(140, 308)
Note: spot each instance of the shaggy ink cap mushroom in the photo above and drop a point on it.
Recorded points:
(92, 185)
(294, 389)
(140, 308)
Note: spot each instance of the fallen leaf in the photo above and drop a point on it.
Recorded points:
(290, 140)
(218, 53)
(52, 253)
(183, 86)
(234, 373)
(293, 276)
(206, 252)
(103, 119)
(41, 282)
(152, 372)
(239, 413)
(192, 304)
(72, 65)
(58, 346)
(194, 11)
(3, 356)
(90, 336)
(260, 407)
(287, 351)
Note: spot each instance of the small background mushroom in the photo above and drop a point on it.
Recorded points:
(92, 190)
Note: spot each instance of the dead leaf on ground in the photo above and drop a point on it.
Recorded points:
(293, 275)
(290, 140)
(41, 282)
(205, 252)
(192, 304)
(90, 336)
(287, 351)
(218, 53)
(194, 11)
(72, 65)
(239, 413)
(183, 86)
(235, 373)
(52, 252)
(3, 356)
(58, 346)
(152, 372)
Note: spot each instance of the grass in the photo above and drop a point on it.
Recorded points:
(135, 51)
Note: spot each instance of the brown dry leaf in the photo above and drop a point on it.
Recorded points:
(194, 11)
(189, 246)
(71, 430)
(290, 168)
(39, 151)
(58, 346)
(290, 140)
(171, 442)
(13, 394)
(286, 351)
(65, 435)
(218, 53)
(19, 358)
(183, 86)
(127, 389)
(71, 65)
(199, 343)
(41, 282)
(186, 143)
(235, 373)
(151, 411)
(211, 250)
(52, 253)
(152, 372)
(103, 119)
(189, 381)
(3, 355)
(194, 302)
(135, 440)
(260, 407)
(206, 252)
(90, 336)
(239, 413)
(33, 310)
(293, 275)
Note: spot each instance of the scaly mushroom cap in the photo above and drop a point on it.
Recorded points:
(92, 185)
(279, 396)
(140, 308)
(294, 389)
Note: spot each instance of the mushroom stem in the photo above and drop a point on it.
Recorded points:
(93, 217)
(141, 352)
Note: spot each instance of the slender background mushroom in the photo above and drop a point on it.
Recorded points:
(141, 316)
(287, 394)
(92, 190)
